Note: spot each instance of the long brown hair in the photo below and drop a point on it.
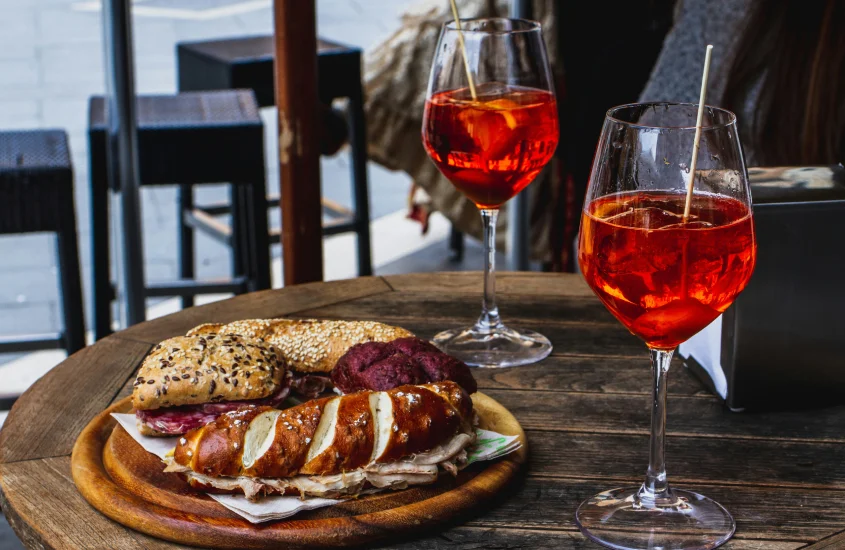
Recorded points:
(798, 47)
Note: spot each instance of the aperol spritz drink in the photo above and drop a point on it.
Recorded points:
(666, 272)
(493, 146)
(490, 125)
(663, 278)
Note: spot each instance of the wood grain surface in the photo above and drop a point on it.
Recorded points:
(584, 410)
(124, 482)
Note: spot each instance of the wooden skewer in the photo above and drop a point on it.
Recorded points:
(697, 141)
(464, 49)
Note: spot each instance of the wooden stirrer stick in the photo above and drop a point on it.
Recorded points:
(696, 142)
(464, 49)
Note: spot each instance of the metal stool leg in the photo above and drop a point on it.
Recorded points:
(239, 244)
(456, 244)
(186, 239)
(70, 284)
(102, 289)
(361, 195)
(259, 229)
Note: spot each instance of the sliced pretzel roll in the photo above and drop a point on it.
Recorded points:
(328, 436)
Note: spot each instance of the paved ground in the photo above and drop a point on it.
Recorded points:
(51, 61)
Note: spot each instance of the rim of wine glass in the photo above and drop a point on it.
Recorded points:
(610, 115)
(530, 26)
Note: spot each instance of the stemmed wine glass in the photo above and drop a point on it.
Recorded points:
(490, 125)
(665, 271)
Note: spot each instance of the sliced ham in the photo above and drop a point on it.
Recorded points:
(180, 420)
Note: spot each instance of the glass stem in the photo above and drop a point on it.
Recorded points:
(656, 486)
(489, 318)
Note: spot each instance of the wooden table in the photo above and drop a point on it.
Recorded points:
(585, 410)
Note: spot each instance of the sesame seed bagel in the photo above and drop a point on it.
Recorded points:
(192, 370)
(308, 345)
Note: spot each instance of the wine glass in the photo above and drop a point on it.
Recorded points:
(665, 275)
(490, 125)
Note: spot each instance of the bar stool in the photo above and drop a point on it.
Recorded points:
(36, 195)
(248, 63)
(189, 139)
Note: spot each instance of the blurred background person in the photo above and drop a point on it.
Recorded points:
(779, 65)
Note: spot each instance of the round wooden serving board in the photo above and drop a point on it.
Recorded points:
(127, 484)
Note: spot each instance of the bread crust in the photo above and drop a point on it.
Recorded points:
(295, 430)
(309, 345)
(424, 417)
(192, 370)
(421, 418)
(353, 438)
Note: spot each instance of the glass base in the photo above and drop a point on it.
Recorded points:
(685, 520)
(498, 346)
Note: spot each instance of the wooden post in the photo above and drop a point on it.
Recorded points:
(299, 148)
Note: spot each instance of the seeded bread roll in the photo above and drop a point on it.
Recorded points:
(309, 345)
(328, 436)
(192, 370)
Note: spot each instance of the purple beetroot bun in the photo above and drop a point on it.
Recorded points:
(382, 366)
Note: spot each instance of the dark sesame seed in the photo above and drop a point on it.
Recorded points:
(235, 382)
(212, 386)
(151, 381)
(166, 378)
(197, 373)
(185, 376)
(227, 380)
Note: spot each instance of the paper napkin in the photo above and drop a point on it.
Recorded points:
(488, 446)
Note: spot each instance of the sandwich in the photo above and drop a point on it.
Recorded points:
(188, 381)
(311, 347)
(335, 447)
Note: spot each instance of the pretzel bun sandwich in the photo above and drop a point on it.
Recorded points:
(189, 380)
(332, 447)
(311, 347)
